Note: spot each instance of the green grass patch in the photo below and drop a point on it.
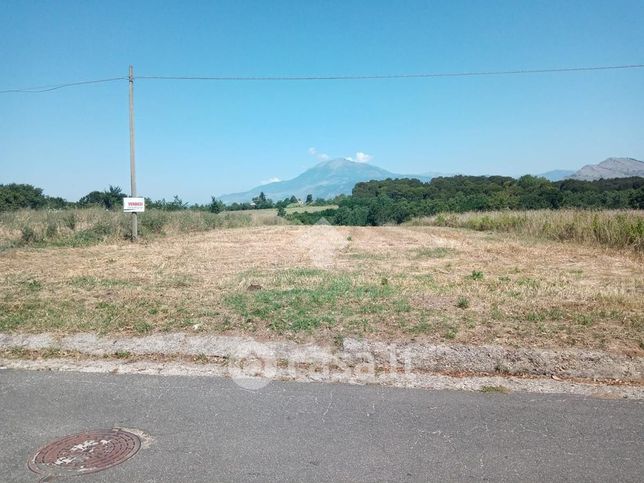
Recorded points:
(31, 285)
(304, 300)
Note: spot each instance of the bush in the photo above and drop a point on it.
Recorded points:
(154, 221)
(30, 235)
(70, 220)
(52, 228)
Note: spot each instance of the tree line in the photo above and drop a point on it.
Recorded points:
(399, 200)
(385, 201)
(18, 196)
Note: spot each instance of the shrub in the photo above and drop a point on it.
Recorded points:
(154, 221)
(70, 220)
(30, 235)
(52, 228)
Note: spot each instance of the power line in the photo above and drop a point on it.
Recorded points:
(329, 77)
(49, 88)
(392, 76)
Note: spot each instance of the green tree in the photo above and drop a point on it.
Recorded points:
(216, 206)
(262, 202)
(15, 196)
(109, 199)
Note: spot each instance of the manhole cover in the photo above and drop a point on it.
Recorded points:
(84, 453)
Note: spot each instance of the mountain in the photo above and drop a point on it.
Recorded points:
(324, 180)
(338, 176)
(610, 168)
(557, 174)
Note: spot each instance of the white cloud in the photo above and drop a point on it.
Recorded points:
(359, 157)
(363, 157)
(274, 179)
(321, 156)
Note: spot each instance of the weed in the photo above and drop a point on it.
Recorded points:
(200, 358)
(142, 327)
(476, 275)
(84, 282)
(462, 303)
(51, 352)
(122, 354)
(17, 351)
(402, 306)
(420, 328)
(451, 333)
(338, 341)
(33, 285)
(361, 325)
(496, 313)
(495, 389)
(585, 320)
(528, 282)
(30, 235)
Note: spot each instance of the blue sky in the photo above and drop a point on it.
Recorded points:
(195, 139)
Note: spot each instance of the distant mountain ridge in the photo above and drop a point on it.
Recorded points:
(610, 168)
(326, 179)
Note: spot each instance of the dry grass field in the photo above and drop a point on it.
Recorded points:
(623, 229)
(89, 226)
(323, 283)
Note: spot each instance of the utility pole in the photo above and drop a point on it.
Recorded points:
(132, 156)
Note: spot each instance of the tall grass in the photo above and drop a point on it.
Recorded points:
(617, 229)
(78, 227)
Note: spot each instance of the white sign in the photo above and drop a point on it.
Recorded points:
(133, 205)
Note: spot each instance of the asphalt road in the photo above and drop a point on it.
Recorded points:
(209, 429)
